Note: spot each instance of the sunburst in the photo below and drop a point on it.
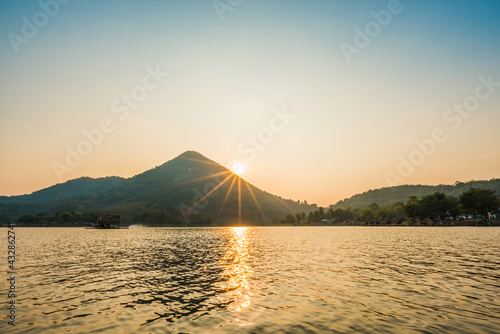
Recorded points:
(234, 175)
(238, 168)
(227, 195)
(206, 177)
(209, 193)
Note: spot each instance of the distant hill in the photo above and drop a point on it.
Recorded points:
(391, 195)
(84, 186)
(166, 193)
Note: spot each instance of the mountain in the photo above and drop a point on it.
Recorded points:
(191, 189)
(391, 195)
(84, 186)
(196, 185)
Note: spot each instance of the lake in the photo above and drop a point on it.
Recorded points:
(255, 280)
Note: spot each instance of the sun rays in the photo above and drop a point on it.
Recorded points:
(255, 200)
(209, 193)
(227, 195)
(206, 177)
(239, 199)
(233, 176)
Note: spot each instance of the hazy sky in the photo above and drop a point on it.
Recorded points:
(319, 99)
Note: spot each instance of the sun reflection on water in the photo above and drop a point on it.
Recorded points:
(237, 270)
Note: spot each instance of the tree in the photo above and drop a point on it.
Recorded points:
(342, 214)
(453, 206)
(383, 213)
(411, 207)
(397, 210)
(26, 219)
(329, 214)
(311, 217)
(433, 205)
(321, 213)
(366, 214)
(64, 217)
(480, 201)
(289, 219)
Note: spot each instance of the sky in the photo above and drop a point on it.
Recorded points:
(318, 100)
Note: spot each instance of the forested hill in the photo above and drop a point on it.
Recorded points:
(391, 195)
(83, 186)
(188, 189)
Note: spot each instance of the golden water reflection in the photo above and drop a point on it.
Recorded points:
(237, 268)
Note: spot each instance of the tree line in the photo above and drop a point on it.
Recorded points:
(60, 218)
(473, 202)
(374, 211)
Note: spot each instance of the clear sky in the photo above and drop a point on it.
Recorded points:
(320, 100)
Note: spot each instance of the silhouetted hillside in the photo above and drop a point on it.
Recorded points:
(391, 195)
(189, 188)
(83, 186)
(182, 183)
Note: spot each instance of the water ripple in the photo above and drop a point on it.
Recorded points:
(258, 280)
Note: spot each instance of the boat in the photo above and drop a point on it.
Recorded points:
(108, 222)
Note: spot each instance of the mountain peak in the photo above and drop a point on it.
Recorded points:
(188, 165)
(192, 155)
(195, 157)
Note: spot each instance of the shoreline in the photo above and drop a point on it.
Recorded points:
(463, 223)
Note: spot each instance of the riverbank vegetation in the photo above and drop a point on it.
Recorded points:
(472, 203)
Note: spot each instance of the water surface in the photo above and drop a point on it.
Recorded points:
(257, 280)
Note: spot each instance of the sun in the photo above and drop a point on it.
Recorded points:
(238, 168)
